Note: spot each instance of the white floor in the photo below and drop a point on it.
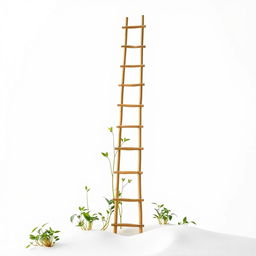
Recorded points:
(156, 240)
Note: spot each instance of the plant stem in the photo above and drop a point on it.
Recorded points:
(87, 200)
(112, 177)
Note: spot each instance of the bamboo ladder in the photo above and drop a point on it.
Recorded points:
(118, 172)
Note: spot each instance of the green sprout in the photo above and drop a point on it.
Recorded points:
(84, 219)
(105, 219)
(163, 214)
(42, 236)
(186, 222)
(112, 168)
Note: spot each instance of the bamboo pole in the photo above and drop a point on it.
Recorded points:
(140, 129)
(120, 129)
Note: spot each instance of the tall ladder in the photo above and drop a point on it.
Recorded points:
(122, 105)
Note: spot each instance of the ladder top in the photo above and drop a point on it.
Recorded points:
(138, 26)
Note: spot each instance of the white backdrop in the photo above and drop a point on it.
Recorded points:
(59, 64)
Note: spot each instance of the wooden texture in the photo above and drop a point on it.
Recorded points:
(139, 26)
(134, 46)
(128, 225)
(128, 148)
(138, 127)
(131, 105)
(131, 85)
(128, 172)
(120, 129)
(128, 199)
(132, 66)
(129, 126)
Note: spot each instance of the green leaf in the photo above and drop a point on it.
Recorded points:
(104, 154)
(32, 237)
(110, 129)
(34, 229)
(87, 188)
(81, 208)
(28, 245)
(72, 217)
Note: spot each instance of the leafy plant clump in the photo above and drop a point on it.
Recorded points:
(84, 219)
(163, 215)
(186, 222)
(43, 236)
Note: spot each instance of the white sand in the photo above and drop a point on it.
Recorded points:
(156, 240)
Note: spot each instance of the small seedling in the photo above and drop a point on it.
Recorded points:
(163, 215)
(105, 219)
(124, 183)
(84, 219)
(42, 236)
(186, 222)
(112, 162)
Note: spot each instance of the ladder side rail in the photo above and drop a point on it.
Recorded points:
(120, 130)
(140, 130)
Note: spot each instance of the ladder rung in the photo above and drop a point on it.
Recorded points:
(129, 126)
(132, 66)
(131, 85)
(133, 46)
(128, 172)
(139, 26)
(131, 105)
(128, 148)
(128, 200)
(128, 225)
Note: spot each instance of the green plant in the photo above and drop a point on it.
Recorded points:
(42, 236)
(163, 215)
(186, 222)
(124, 183)
(105, 219)
(112, 168)
(84, 219)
